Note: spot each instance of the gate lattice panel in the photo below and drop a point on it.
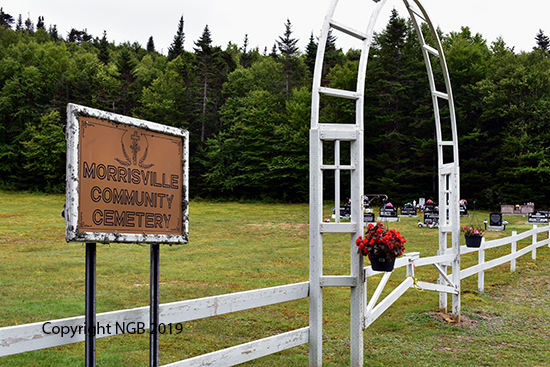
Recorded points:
(448, 172)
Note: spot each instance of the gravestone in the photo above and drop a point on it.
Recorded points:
(495, 222)
(368, 217)
(537, 217)
(495, 219)
(408, 211)
(463, 211)
(517, 209)
(431, 217)
(527, 208)
(507, 209)
(345, 211)
(388, 213)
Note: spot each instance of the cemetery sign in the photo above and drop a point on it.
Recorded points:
(127, 179)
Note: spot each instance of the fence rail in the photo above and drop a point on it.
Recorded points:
(412, 260)
(29, 337)
(40, 335)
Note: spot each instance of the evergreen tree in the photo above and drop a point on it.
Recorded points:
(543, 42)
(53, 33)
(333, 56)
(19, 24)
(103, 55)
(168, 98)
(290, 59)
(398, 115)
(176, 48)
(514, 95)
(209, 67)
(40, 24)
(6, 20)
(468, 60)
(246, 55)
(29, 25)
(286, 44)
(126, 65)
(151, 45)
(311, 53)
(273, 53)
(79, 37)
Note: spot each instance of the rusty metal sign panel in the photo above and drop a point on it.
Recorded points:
(126, 179)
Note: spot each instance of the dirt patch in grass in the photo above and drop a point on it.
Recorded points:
(448, 319)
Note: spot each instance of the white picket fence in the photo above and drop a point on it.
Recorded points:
(413, 261)
(30, 337)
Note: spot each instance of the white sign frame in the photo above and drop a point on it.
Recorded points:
(72, 231)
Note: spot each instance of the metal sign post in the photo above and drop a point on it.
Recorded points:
(90, 321)
(154, 307)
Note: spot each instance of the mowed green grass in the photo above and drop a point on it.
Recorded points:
(235, 247)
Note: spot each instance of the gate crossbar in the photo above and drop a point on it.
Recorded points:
(411, 260)
(372, 315)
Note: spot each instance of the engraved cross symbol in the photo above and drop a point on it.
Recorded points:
(135, 146)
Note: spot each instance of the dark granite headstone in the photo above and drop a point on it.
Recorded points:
(537, 217)
(408, 211)
(495, 219)
(388, 212)
(431, 217)
(368, 217)
(429, 207)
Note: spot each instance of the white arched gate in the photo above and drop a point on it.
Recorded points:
(326, 133)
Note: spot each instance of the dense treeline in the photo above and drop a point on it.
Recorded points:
(248, 111)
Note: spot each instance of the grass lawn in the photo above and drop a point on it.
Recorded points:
(235, 247)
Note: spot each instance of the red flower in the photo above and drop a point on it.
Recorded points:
(381, 242)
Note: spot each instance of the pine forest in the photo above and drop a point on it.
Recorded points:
(248, 110)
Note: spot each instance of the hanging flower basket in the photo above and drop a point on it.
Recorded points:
(473, 235)
(382, 264)
(473, 240)
(382, 246)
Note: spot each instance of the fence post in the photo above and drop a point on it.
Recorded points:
(357, 309)
(534, 252)
(481, 261)
(315, 250)
(514, 249)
